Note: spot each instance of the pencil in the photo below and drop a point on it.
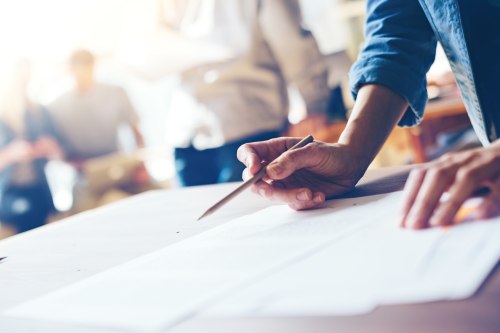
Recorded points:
(249, 182)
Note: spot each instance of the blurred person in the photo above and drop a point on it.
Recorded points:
(89, 116)
(28, 139)
(223, 104)
(389, 82)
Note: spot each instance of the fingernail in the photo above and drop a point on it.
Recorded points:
(434, 222)
(317, 198)
(303, 196)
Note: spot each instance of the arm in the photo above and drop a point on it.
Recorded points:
(398, 59)
(51, 145)
(14, 152)
(304, 177)
(399, 49)
(388, 77)
(139, 138)
(129, 115)
(376, 112)
(295, 51)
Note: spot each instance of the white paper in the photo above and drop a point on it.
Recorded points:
(343, 259)
(374, 266)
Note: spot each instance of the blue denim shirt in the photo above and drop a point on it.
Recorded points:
(401, 38)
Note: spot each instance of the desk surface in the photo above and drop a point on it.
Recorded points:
(59, 254)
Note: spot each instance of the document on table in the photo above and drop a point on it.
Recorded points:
(345, 258)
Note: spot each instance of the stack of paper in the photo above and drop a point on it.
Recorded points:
(343, 259)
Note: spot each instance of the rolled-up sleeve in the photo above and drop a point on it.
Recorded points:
(399, 49)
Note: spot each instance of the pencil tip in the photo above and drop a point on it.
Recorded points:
(207, 213)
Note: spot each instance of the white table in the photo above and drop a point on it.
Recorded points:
(62, 253)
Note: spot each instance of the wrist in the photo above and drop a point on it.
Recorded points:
(356, 162)
(363, 152)
(376, 111)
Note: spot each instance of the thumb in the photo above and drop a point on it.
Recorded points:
(290, 161)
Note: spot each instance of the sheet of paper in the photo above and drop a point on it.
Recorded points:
(375, 265)
(343, 259)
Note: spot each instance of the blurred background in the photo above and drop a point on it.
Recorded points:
(103, 99)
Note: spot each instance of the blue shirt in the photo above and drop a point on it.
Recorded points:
(401, 38)
(38, 124)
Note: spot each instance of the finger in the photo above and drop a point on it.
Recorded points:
(253, 154)
(437, 180)
(246, 174)
(490, 207)
(247, 155)
(298, 198)
(411, 189)
(290, 161)
(466, 182)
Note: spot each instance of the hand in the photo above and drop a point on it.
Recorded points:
(20, 151)
(461, 174)
(303, 177)
(46, 147)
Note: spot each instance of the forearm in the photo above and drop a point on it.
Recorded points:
(139, 138)
(376, 112)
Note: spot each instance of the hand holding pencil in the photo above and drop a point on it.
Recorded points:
(258, 176)
(303, 177)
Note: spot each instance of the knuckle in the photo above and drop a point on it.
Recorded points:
(448, 158)
(313, 146)
(466, 174)
(291, 157)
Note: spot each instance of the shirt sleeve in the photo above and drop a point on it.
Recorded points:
(296, 51)
(399, 49)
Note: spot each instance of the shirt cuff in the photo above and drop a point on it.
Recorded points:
(399, 79)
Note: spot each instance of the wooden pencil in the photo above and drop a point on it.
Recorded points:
(249, 182)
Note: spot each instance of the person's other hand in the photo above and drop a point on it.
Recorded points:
(20, 151)
(460, 174)
(303, 177)
(46, 147)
